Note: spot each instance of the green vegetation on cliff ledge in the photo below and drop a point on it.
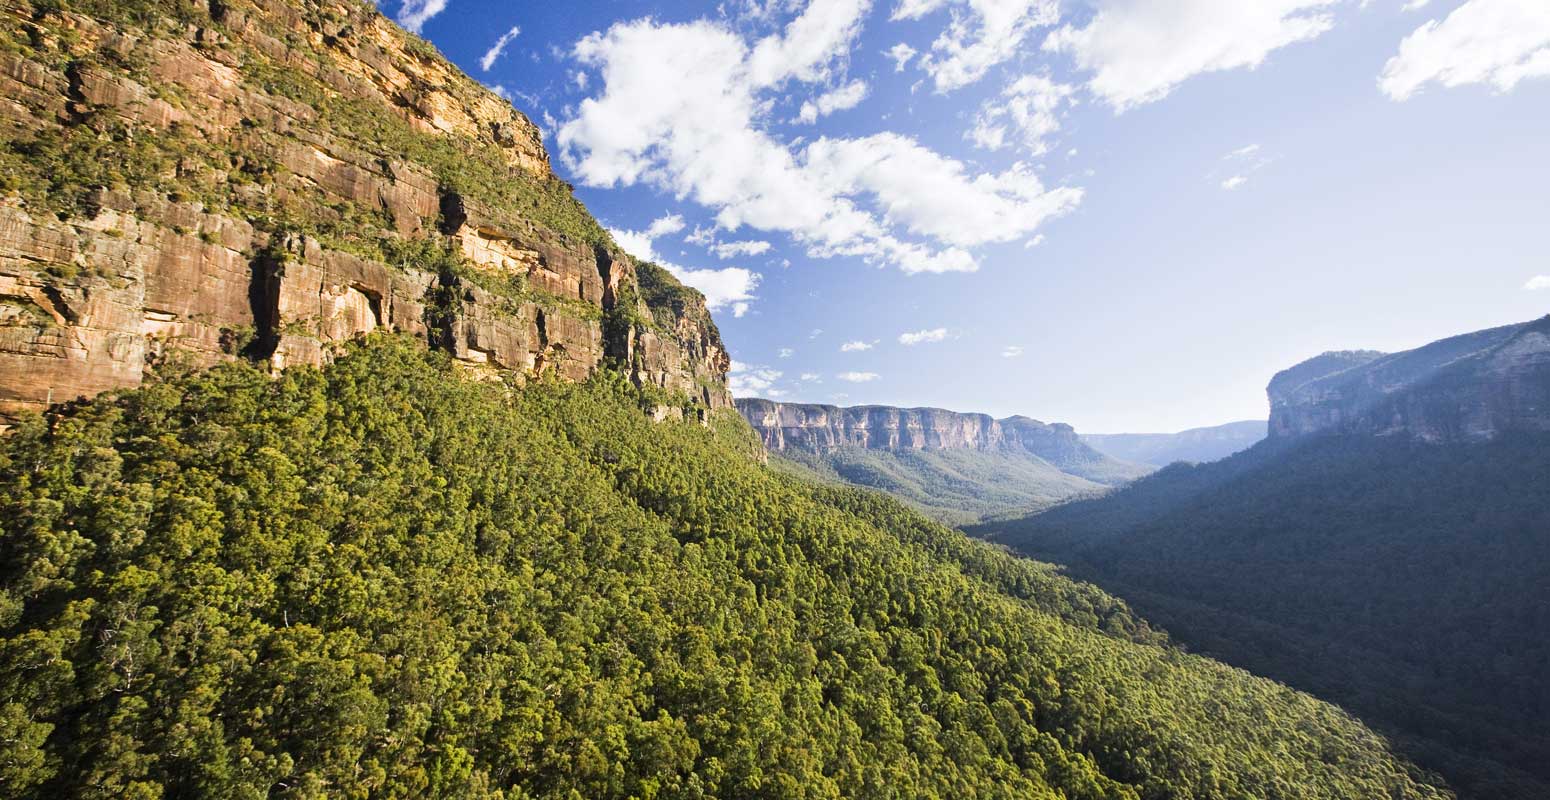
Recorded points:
(381, 580)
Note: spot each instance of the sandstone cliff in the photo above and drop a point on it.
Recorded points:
(818, 429)
(1466, 388)
(196, 181)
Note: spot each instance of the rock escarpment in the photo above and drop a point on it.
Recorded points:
(1473, 387)
(192, 182)
(818, 429)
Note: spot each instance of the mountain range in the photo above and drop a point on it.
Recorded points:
(346, 454)
(957, 467)
(1193, 446)
(1386, 547)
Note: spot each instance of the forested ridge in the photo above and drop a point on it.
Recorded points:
(380, 579)
(1405, 581)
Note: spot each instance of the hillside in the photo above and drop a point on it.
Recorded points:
(1193, 446)
(1468, 388)
(191, 183)
(381, 578)
(1402, 577)
(958, 468)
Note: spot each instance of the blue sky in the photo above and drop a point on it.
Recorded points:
(1122, 214)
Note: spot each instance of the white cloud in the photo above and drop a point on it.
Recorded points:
(858, 377)
(1242, 163)
(502, 92)
(750, 380)
(786, 352)
(923, 336)
(1537, 283)
(1011, 351)
(641, 244)
(1027, 109)
(732, 288)
(665, 226)
(980, 35)
(857, 346)
(1034, 242)
(812, 40)
(413, 14)
(845, 97)
(488, 59)
(931, 195)
(1415, 5)
(683, 108)
(817, 332)
(727, 250)
(810, 377)
(1139, 50)
(901, 54)
(1499, 42)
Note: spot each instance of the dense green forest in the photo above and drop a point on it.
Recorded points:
(1408, 582)
(380, 579)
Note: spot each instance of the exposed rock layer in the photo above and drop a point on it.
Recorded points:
(1473, 387)
(208, 182)
(822, 428)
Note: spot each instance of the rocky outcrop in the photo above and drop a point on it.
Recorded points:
(1473, 387)
(818, 429)
(199, 182)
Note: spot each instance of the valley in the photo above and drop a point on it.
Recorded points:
(346, 452)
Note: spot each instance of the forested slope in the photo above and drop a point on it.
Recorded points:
(379, 579)
(1408, 582)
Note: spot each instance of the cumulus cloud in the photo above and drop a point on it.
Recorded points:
(750, 380)
(901, 54)
(786, 352)
(727, 250)
(809, 44)
(857, 346)
(980, 35)
(931, 195)
(1234, 182)
(1537, 283)
(1011, 351)
(413, 14)
(684, 108)
(488, 59)
(1496, 42)
(858, 377)
(732, 288)
(810, 377)
(923, 336)
(1140, 50)
(845, 97)
(1027, 111)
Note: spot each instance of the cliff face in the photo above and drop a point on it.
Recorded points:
(194, 182)
(1473, 387)
(818, 429)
